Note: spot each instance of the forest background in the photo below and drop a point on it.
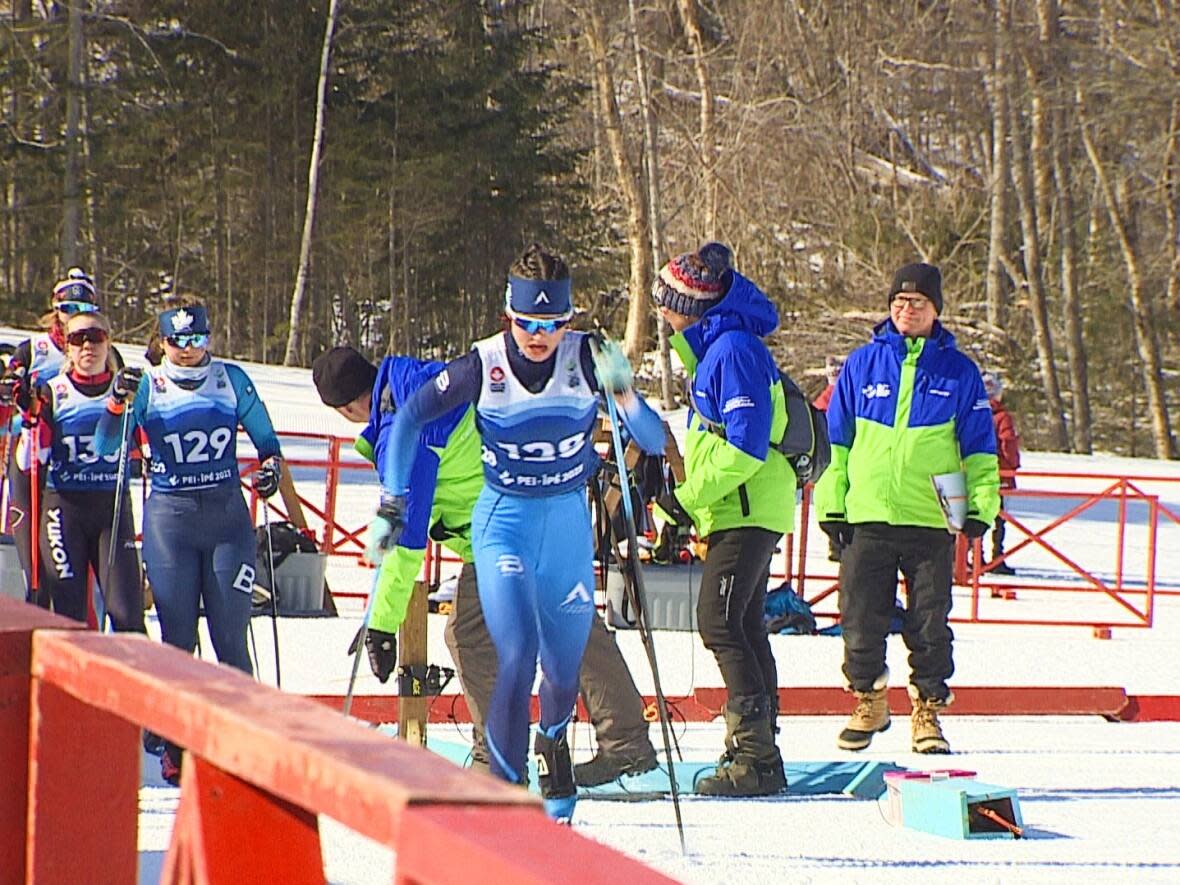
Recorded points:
(364, 171)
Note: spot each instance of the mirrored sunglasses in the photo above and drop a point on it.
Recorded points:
(183, 341)
(93, 334)
(534, 326)
(69, 308)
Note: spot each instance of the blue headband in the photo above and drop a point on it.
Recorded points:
(184, 321)
(539, 297)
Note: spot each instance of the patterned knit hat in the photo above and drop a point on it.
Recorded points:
(76, 287)
(688, 286)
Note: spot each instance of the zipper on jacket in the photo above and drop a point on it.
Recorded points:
(744, 497)
(901, 416)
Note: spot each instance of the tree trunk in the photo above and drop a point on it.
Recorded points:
(638, 235)
(1170, 198)
(1071, 305)
(1034, 276)
(294, 355)
(71, 227)
(707, 146)
(1142, 314)
(652, 170)
(998, 225)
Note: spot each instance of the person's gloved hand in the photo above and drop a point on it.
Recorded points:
(9, 390)
(126, 383)
(611, 366)
(382, 649)
(974, 528)
(266, 477)
(668, 508)
(385, 529)
(839, 531)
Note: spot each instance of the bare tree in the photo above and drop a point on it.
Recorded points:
(998, 185)
(71, 227)
(294, 353)
(707, 140)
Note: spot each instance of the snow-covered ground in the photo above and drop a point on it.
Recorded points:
(1100, 800)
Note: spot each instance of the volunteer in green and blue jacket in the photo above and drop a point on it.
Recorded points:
(739, 492)
(908, 406)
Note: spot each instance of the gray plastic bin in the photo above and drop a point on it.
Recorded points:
(300, 577)
(12, 579)
(671, 597)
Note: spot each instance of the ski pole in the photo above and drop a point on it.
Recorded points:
(35, 499)
(274, 591)
(120, 488)
(360, 640)
(641, 608)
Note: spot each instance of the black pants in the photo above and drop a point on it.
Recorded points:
(730, 609)
(998, 531)
(613, 701)
(868, 589)
(75, 539)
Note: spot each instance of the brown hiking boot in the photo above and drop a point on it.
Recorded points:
(925, 731)
(870, 716)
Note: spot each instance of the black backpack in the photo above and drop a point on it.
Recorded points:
(806, 443)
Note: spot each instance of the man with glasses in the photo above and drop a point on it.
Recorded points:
(908, 406)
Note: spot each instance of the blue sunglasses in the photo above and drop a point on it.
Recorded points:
(183, 341)
(69, 308)
(535, 326)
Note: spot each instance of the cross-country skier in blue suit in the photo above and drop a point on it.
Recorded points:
(536, 391)
(198, 538)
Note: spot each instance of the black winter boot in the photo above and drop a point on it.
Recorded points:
(607, 766)
(754, 766)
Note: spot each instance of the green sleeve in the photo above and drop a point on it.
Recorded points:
(680, 344)
(828, 496)
(717, 469)
(983, 486)
(365, 449)
(398, 571)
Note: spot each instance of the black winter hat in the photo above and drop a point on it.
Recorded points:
(924, 279)
(341, 375)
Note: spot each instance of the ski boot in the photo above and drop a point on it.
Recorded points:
(558, 790)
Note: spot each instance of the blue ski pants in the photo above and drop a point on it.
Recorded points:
(198, 546)
(534, 560)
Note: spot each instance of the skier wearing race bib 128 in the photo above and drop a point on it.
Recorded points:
(198, 538)
(536, 391)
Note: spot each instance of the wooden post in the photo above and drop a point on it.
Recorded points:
(412, 711)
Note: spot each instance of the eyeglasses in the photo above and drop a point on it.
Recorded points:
(183, 341)
(535, 326)
(69, 308)
(93, 334)
(913, 302)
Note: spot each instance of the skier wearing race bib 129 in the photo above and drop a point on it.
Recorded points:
(536, 391)
(198, 538)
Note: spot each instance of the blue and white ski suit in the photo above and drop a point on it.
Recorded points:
(198, 538)
(531, 529)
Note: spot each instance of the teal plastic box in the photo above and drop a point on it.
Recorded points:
(951, 808)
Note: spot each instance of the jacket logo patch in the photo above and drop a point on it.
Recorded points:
(934, 391)
(876, 391)
(981, 404)
(741, 401)
(443, 381)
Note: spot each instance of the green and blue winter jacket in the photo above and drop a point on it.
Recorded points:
(904, 410)
(445, 481)
(733, 477)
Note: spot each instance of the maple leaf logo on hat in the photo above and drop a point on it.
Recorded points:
(182, 320)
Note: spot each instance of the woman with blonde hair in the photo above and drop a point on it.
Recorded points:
(78, 507)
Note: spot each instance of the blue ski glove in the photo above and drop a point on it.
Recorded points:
(611, 366)
(385, 529)
(266, 477)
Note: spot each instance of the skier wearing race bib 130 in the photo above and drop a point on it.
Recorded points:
(536, 391)
(198, 538)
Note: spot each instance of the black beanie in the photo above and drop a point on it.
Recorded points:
(341, 375)
(923, 279)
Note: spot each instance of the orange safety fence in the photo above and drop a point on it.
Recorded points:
(259, 768)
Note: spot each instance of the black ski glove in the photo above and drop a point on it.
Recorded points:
(974, 528)
(126, 383)
(839, 531)
(9, 390)
(382, 649)
(266, 477)
(673, 509)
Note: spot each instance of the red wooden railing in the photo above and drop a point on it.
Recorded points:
(260, 766)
